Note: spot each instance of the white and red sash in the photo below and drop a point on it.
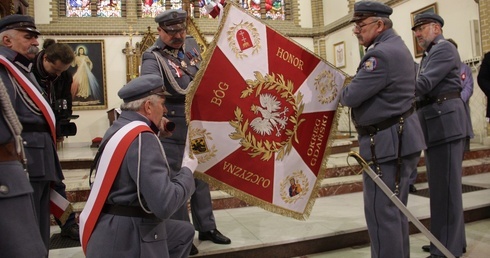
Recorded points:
(109, 164)
(59, 206)
(34, 94)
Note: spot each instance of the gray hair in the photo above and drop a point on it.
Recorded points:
(135, 105)
(387, 21)
(8, 33)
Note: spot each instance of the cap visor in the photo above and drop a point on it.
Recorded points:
(35, 31)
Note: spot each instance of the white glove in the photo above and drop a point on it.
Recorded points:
(189, 160)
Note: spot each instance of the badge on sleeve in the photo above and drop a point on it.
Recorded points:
(463, 76)
(370, 64)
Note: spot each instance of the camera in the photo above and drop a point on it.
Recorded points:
(63, 115)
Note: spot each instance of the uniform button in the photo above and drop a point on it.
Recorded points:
(156, 236)
(439, 112)
(24, 142)
(172, 112)
(4, 189)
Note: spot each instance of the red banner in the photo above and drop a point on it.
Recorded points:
(261, 114)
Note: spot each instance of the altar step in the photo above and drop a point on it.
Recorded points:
(340, 177)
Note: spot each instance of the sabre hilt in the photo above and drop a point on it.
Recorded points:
(358, 158)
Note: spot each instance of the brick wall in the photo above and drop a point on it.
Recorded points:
(485, 24)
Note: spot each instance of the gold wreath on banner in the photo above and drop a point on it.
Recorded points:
(326, 85)
(248, 26)
(299, 179)
(268, 148)
(198, 140)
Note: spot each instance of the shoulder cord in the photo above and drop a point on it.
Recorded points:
(12, 121)
(139, 168)
(167, 74)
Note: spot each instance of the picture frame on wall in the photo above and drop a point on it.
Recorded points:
(432, 8)
(89, 89)
(339, 54)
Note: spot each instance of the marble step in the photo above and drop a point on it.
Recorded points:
(340, 179)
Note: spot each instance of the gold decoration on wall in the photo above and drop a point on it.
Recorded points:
(194, 31)
(133, 53)
(133, 56)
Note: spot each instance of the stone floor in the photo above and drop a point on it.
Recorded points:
(252, 227)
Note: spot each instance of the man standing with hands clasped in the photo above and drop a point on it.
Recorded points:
(444, 119)
(175, 57)
(381, 97)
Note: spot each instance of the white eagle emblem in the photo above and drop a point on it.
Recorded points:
(272, 118)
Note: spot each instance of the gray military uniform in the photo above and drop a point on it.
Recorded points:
(384, 88)
(43, 164)
(177, 83)
(132, 236)
(20, 235)
(446, 126)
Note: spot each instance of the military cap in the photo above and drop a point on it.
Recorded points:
(424, 18)
(365, 9)
(18, 22)
(141, 87)
(172, 19)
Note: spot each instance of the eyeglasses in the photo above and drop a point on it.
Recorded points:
(358, 27)
(421, 27)
(174, 32)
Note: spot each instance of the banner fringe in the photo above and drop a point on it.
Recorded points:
(249, 199)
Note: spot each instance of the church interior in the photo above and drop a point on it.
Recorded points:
(117, 32)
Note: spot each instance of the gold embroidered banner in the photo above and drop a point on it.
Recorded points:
(261, 111)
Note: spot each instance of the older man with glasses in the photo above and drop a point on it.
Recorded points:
(381, 96)
(444, 119)
(176, 58)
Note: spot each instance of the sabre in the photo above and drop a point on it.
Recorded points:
(399, 204)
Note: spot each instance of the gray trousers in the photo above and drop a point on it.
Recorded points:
(444, 169)
(387, 225)
(41, 197)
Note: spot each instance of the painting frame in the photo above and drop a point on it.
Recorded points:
(432, 8)
(91, 95)
(339, 54)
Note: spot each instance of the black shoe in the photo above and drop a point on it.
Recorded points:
(426, 248)
(71, 231)
(412, 189)
(194, 250)
(215, 236)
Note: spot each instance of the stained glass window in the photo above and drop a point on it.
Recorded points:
(151, 8)
(109, 8)
(176, 4)
(78, 8)
(274, 9)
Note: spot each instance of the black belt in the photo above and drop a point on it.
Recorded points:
(40, 128)
(128, 211)
(428, 100)
(373, 129)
